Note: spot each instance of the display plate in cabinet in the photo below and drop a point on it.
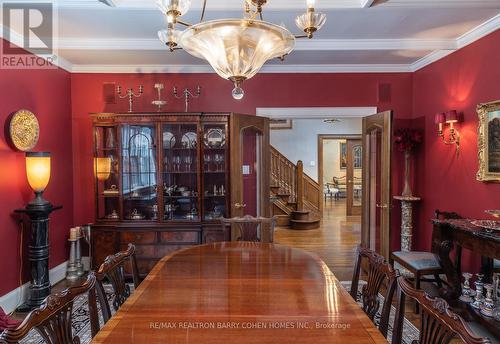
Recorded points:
(138, 237)
(179, 237)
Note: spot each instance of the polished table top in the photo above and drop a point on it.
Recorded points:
(240, 292)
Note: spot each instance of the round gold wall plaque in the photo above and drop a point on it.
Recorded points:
(24, 130)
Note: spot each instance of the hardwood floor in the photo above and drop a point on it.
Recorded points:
(334, 242)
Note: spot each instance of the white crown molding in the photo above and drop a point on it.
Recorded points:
(366, 3)
(467, 38)
(479, 32)
(228, 5)
(315, 112)
(301, 45)
(277, 5)
(440, 48)
(440, 3)
(430, 58)
(10, 301)
(188, 69)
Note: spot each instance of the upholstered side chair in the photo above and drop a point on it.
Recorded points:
(422, 263)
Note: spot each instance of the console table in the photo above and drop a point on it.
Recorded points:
(461, 232)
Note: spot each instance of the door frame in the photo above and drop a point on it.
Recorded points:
(321, 139)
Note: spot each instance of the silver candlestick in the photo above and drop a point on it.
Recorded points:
(130, 94)
(186, 94)
(159, 102)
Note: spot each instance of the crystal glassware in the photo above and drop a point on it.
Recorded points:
(466, 291)
(207, 158)
(488, 306)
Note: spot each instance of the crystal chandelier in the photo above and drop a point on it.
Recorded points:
(235, 48)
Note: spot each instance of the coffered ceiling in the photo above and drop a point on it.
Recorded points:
(359, 35)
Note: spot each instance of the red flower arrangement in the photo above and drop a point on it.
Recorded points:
(406, 139)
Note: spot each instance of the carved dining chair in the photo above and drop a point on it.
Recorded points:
(113, 271)
(52, 320)
(423, 263)
(379, 273)
(438, 323)
(249, 228)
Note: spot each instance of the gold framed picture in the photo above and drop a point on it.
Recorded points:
(488, 142)
(280, 124)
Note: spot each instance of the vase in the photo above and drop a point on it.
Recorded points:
(407, 189)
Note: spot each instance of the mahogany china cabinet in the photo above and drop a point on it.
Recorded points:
(163, 180)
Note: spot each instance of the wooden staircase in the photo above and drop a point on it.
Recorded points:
(295, 197)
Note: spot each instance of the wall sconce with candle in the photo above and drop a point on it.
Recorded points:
(449, 118)
(38, 211)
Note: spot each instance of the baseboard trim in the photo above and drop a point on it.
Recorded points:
(10, 301)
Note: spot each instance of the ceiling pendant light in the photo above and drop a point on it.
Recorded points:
(235, 48)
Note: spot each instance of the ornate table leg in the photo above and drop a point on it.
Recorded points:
(454, 290)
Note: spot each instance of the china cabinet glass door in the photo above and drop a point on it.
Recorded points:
(106, 168)
(139, 172)
(215, 166)
(180, 172)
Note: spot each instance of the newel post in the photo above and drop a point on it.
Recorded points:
(300, 185)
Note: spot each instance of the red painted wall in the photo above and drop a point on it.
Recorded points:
(459, 81)
(47, 93)
(264, 90)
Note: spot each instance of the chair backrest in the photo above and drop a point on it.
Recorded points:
(249, 228)
(378, 272)
(113, 269)
(438, 325)
(53, 319)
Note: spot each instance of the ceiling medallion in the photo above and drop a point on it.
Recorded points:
(235, 48)
(24, 130)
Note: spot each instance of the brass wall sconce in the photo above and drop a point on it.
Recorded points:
(449, 118)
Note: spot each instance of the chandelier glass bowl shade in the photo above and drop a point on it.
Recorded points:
(174, 7)
(310, 21)
(237, 48)
(169, 37)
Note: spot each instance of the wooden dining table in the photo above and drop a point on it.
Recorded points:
(240, 292)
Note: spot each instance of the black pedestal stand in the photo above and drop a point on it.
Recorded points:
(39, 289)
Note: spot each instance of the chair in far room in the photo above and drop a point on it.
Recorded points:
(423, 263)
(249, 228)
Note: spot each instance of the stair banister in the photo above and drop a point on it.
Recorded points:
(300, 185)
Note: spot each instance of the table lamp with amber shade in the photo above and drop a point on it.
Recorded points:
(38, 173)
(102, 168)
(38, 211)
